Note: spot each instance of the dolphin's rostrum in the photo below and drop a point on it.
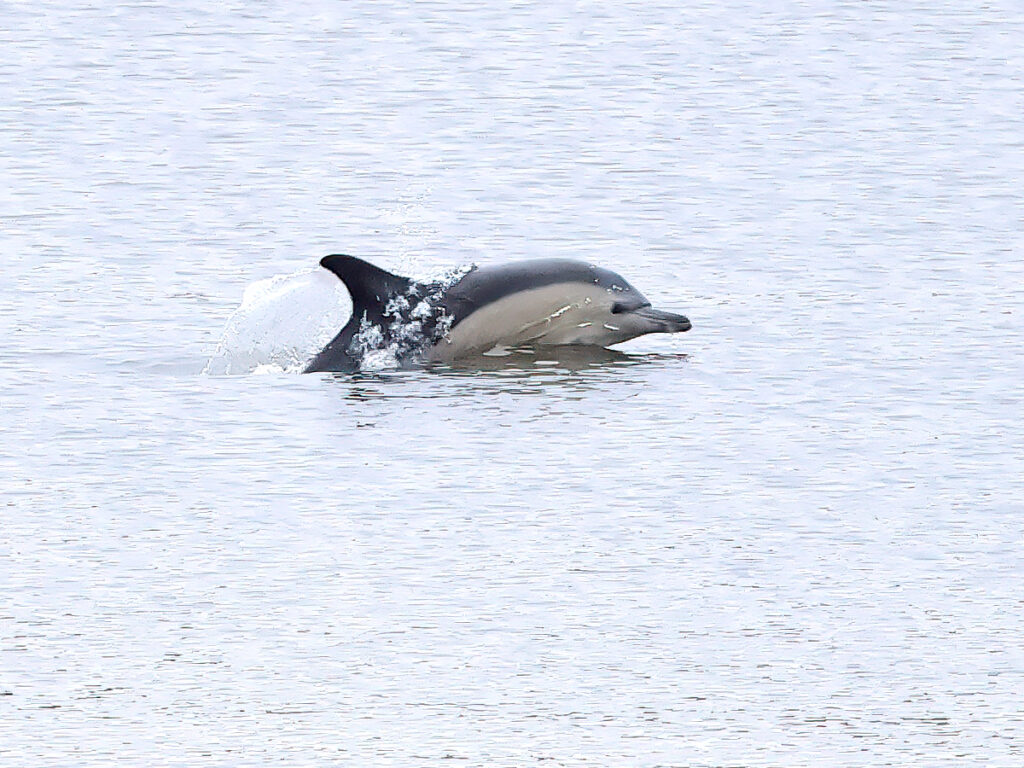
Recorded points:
(534, 302)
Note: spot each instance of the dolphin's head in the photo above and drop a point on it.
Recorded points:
(629, 314)
(620, 321)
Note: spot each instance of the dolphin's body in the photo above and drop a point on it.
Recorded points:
(537, 302)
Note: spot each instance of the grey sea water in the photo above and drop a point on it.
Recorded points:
(789, 537)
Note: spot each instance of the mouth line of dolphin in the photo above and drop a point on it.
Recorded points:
(546, 302)
(669, 322)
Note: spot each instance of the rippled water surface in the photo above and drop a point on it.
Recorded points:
(791, 536)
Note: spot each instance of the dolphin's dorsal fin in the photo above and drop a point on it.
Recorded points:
(370, 287)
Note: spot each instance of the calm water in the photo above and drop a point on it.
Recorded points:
(791, 537)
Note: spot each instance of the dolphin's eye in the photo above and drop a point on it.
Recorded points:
(618, 308)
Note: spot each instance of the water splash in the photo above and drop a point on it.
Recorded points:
(285, 320)
(280, 324)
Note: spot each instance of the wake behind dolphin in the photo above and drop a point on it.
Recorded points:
(535, 302)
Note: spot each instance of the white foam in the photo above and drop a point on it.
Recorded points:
(405, 327)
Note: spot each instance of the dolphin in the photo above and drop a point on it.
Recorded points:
(533, 302)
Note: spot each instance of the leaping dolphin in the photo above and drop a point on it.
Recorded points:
(535, 302)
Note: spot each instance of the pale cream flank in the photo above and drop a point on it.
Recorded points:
(563, 313)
